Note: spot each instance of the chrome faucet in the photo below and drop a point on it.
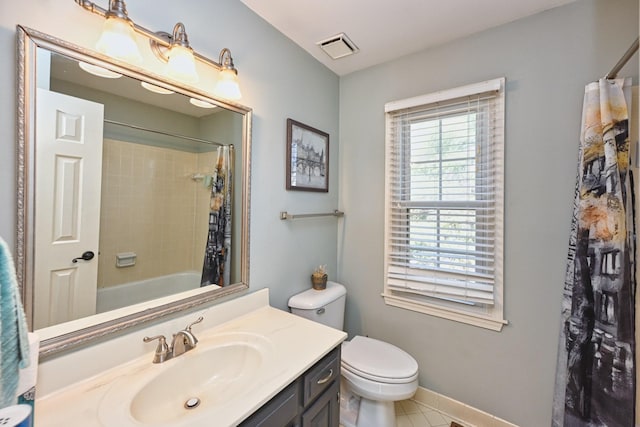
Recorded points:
(162, 350)
(183, 341)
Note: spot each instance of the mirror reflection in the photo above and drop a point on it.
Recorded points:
(137, 177)
(135, 190)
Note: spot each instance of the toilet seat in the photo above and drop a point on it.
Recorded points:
(378, 361)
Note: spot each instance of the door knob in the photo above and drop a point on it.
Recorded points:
(88, 255)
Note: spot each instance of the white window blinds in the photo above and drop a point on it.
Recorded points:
(444, 195)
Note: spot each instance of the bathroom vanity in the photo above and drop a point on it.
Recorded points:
(253, 363)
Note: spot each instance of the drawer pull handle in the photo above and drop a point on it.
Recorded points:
(325, 379)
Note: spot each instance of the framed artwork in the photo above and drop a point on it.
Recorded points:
(307, 158)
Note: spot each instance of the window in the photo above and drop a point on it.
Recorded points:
(444, 204)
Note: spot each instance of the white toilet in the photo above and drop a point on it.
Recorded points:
(375, 374)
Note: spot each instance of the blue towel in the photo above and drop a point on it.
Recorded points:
(14, 343)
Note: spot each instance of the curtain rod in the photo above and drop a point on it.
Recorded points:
(174, 135)
(627, 55)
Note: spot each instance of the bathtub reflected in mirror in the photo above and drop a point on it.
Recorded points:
(125, 172)
(125, 294)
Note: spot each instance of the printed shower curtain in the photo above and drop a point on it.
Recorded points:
(217, 256)
(595, 378)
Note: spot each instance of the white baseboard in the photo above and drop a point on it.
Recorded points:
(459, 410)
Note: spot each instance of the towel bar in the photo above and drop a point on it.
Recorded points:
(285, 215)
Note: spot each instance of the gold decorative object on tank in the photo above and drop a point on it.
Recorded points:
(319, 278)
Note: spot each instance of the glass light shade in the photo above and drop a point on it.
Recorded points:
(200, 103)
(118, 40)
(156, 89)
(99, 71)
(182, 64)
(227, 85)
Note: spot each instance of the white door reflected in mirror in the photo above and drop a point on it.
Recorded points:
(69, 158)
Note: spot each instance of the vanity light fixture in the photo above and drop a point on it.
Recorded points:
(171, 48)
(227, 86)
(181, 64)
(118, 38)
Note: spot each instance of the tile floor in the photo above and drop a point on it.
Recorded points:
(410, 413)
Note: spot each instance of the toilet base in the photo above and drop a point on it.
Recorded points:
(376, 414)
(358, 411)
(349, 406)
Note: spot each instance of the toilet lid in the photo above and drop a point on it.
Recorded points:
(378, 360)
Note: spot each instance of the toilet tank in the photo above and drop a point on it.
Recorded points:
(325, 306)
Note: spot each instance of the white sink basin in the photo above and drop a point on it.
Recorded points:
(219, 369)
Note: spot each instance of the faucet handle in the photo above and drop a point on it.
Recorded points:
(162, 350)
(198, 320)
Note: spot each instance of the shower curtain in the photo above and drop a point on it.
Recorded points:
(595, 377)
(217, 256)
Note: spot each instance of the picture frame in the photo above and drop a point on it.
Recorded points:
(307, 158)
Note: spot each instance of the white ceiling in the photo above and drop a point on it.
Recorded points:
(389, 29)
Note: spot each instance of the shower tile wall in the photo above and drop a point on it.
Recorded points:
(148, 207)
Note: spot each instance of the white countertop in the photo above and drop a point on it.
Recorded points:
(297, 344)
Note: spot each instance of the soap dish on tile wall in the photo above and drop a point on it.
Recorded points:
(126, 259)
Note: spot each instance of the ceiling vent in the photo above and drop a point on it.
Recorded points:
(338, 46)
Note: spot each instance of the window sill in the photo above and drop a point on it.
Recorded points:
(446, 313)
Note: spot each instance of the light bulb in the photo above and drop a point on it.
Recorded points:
(227, 86)
(182, 65)
(118, 41)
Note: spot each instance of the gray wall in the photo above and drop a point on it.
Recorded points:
(278, 80)
(547, 59)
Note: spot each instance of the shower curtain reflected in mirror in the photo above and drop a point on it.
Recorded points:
(216, 268)
(595, 377)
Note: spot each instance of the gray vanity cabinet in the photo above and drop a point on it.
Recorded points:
(312, 400)
(321, 395)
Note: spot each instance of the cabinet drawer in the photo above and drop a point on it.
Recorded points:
(321, 376)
